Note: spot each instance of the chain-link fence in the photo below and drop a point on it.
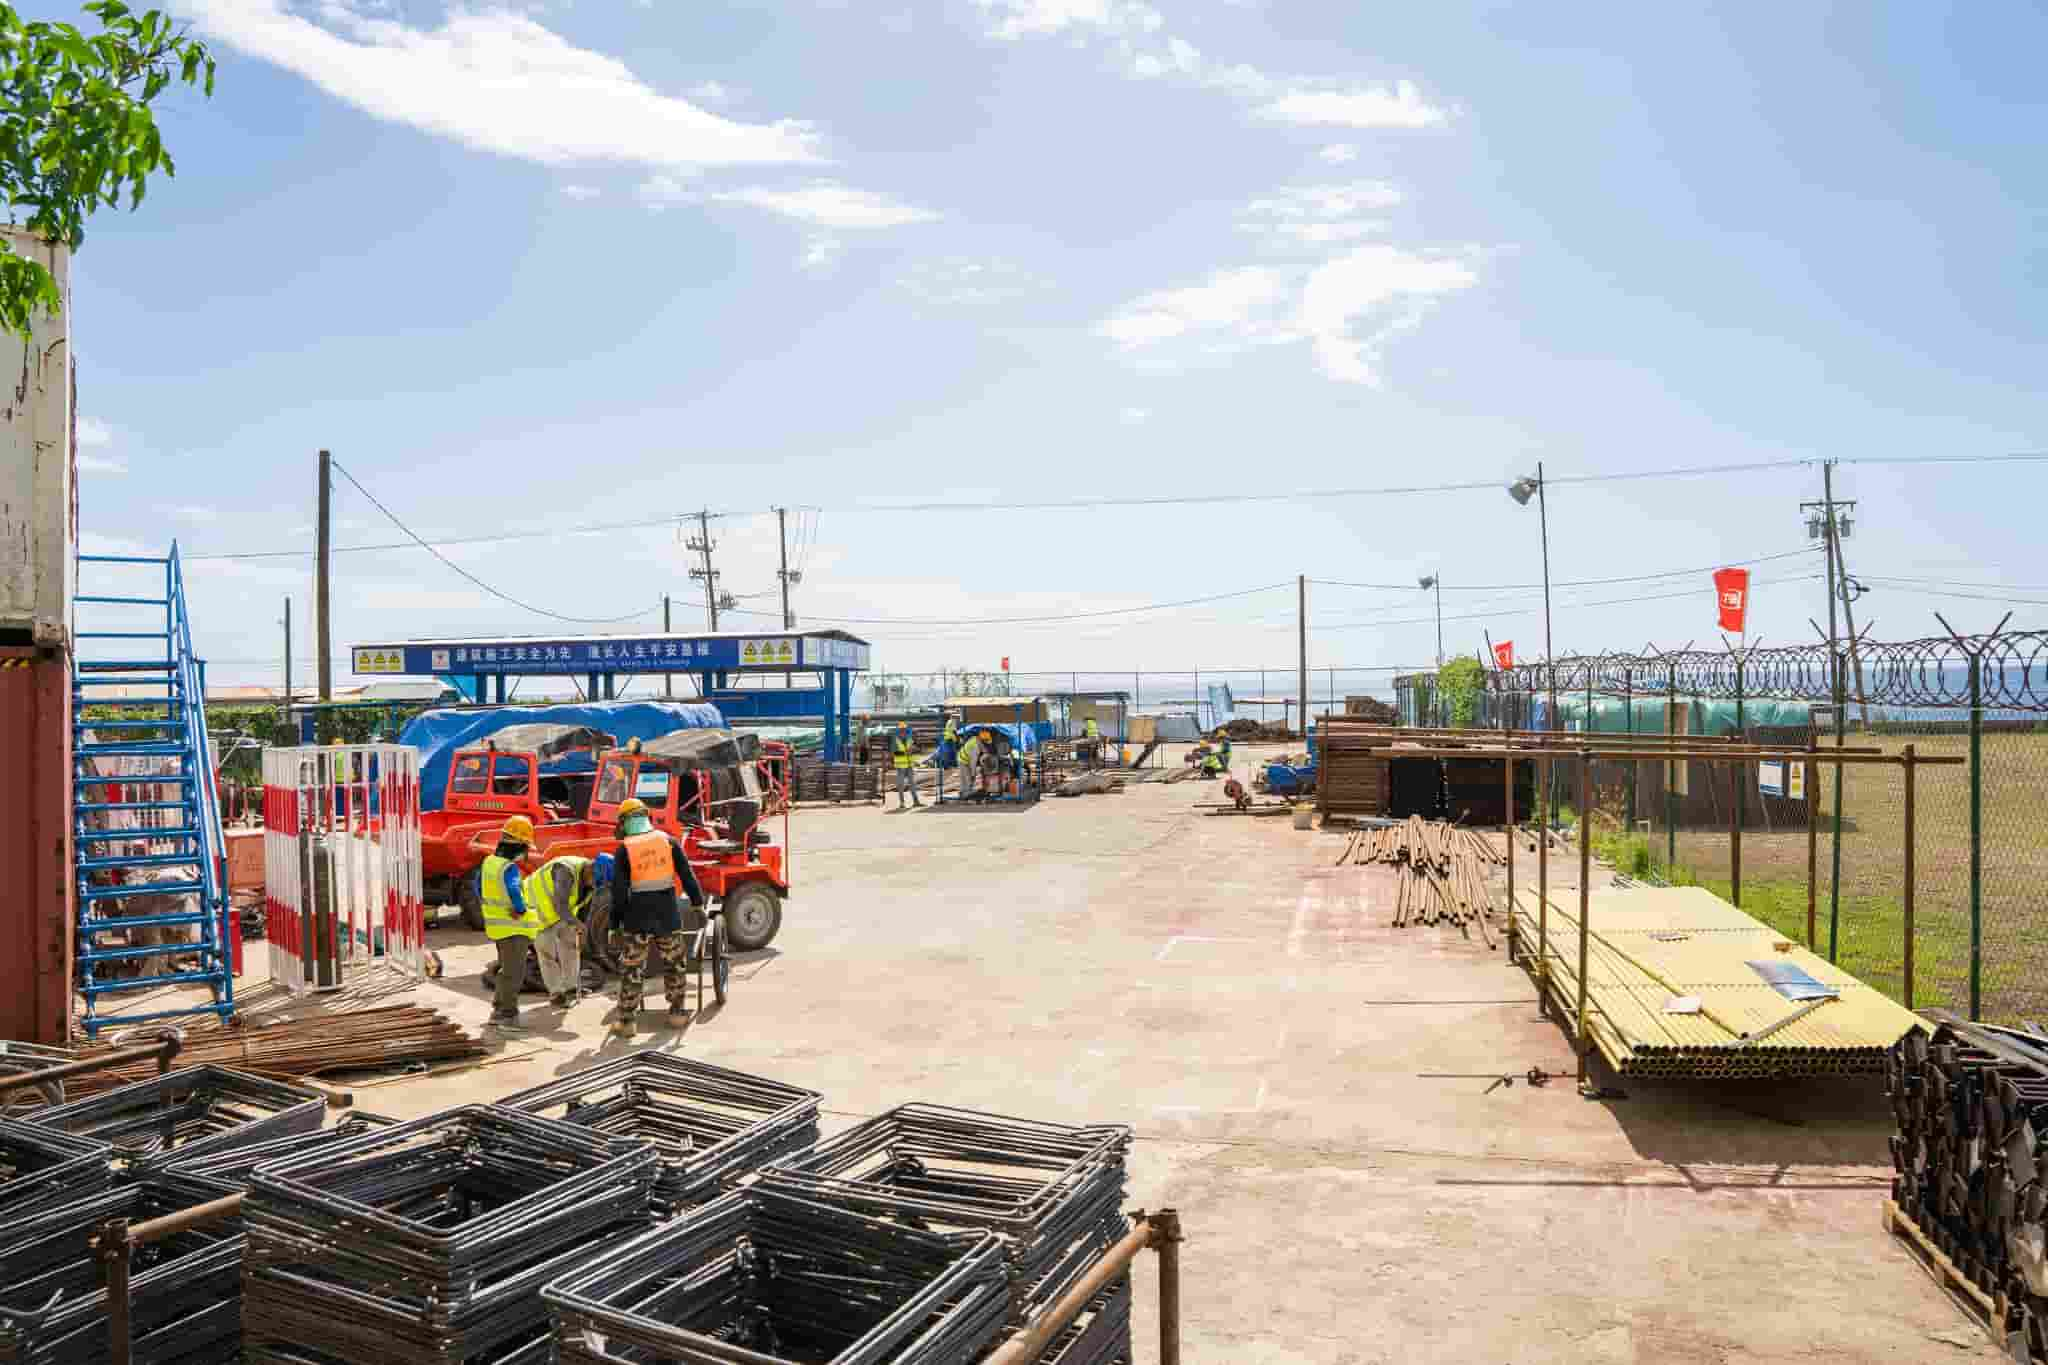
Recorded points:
(1823, 849)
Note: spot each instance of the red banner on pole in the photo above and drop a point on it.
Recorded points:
(1006, 663)
(1504, 654)
(1731, 593)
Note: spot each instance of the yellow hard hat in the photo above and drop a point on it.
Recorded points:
(519, 830)
(632, 805)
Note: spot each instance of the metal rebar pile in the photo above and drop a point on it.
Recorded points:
(41, 1168)
(383, 1037)
(430, 1240)
(1444, 872)
(184, 1292)
(194, 1110)
(711, 1126)
(1053, 1193)
(763, 1277)
(1971, 1162)
(210, 1175)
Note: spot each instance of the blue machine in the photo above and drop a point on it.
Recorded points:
(479, 668)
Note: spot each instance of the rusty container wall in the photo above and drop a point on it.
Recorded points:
(35, 844)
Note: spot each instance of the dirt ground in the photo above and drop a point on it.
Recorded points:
(1313, 1090)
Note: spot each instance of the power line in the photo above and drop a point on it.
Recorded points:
(1901, 585)
(1579, 582)
(1565, 606)
(502, 596)
(1181, 500)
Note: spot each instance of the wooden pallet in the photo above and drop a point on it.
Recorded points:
(1988, 1311)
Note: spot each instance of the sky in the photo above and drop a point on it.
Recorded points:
(1231, 271)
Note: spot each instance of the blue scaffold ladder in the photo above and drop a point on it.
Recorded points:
(137, 691)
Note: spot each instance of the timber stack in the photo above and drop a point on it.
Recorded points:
(1445, 871)
(1971, 1165)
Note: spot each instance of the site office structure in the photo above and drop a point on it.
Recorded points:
(38, 525)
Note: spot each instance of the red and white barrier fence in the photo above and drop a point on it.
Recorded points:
(341, 864)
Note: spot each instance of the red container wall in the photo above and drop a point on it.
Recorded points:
(35, 845)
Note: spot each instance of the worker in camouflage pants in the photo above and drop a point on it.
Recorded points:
(648, 868)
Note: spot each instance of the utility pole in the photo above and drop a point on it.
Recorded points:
(288, 666)
(784, 574)
(1831, 521)
(668, 680)
(324, 621)
(1301, 612)
(703, 544)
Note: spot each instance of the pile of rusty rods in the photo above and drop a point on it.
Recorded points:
(1444, 877)
(390, 1035)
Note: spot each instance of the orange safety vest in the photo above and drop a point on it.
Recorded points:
(651, 861)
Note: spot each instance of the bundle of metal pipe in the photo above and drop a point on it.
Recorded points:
(711, 1126)
(387, 1036)
(764, 1277)
(1053, 1193)
(816, 780)
(430, 1240)
(1444, 872)
(188, 1112)
(183, 1300)
(1971, 1162)
(41, 1168)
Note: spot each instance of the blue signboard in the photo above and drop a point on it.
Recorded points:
(610, 654)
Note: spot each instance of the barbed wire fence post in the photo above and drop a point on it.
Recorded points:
(1975, 655)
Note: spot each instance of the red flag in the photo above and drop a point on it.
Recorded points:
(1731, 592)
(1006, 663)
(1504, 654)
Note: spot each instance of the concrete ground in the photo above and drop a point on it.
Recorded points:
(1309, 1087)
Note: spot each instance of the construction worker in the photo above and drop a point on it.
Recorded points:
(900, 754)
(508, 922)
(1223, 745)
(646, 866)
(968, 760)
(949, 755)
(1091, 735)
(559, 893)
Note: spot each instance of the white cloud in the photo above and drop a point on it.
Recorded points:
(961, 282)
(828, 204)
(1145, 51)
(100, 464)
(1348, 308)
(581, 192)
(498, 81)
(1307, 216)
(715, 91)
(659, 191)
(1013, 19)
(93, 432)
(1243, 306)
(1338, 154)
(193, 515)
(1399, 105)
(821, 252)
(1386, 290)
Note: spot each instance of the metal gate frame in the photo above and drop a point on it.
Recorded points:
(341, 863)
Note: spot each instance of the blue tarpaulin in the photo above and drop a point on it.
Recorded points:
(438, 734)
(1024, 738)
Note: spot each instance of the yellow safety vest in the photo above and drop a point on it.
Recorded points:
(901, 748)
(952, 732)
(1092, 730)
(500, 919)
(540, 889)
(969, 751)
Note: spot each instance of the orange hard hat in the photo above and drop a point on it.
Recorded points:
(518, 830)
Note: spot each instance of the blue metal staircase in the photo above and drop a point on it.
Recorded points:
(132, 663)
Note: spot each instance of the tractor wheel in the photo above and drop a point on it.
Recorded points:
(469, 900)
(753, 916)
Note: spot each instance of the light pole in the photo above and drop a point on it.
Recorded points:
(1521, 490)
(1427, 582)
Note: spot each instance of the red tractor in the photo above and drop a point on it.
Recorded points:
(487, 785)
(713, 789)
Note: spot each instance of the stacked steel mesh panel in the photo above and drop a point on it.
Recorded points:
(710, 1125)
(186, 1113)
(184, 1292)
(430, 1240)
(764, 1278)
(41, 1168)
(1971, 1161)
(207, 1176)
(1053, 1193)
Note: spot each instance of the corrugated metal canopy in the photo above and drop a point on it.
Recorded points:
(548, 741)
(689, 749)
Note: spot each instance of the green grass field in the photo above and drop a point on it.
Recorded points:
(1870, 933)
